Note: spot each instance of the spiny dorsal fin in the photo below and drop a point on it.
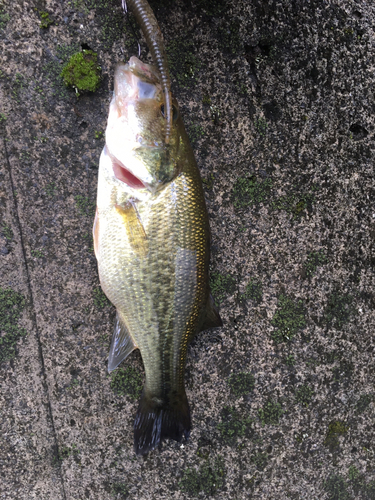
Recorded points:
(122, 344)
(212, 319)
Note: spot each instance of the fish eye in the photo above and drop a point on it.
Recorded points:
(174, 112)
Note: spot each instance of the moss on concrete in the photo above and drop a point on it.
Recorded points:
(260, 460)
(335, 429)
(207, 479)
(82, 72)
(53, 67)
(221, 285)
(85, 205)
(46, 21)
(313, 261)
(4, 17)
(233, 425)
(120, 490)
(11, 305)
(253, 290)
(241, 383)
(229, 36)
(127, 381)
(7, 232)
(336, 488)
(271, 412)
(290, 360)
(339, 309)
(211, 8)
(69, 451)
(112, 22)
(293, 203)
(288, 319)
(100, 299)
(248, 191)
(304, 394)
(364, 402)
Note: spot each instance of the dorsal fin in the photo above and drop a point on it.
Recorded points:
(122, 344)
(212, 318)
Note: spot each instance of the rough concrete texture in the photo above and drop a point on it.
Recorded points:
(278, 99)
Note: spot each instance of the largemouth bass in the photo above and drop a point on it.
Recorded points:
(151, 241)
(151, 238)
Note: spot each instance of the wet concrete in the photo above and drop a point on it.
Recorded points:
(278, 99)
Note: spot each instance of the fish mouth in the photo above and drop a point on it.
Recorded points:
(124, 175)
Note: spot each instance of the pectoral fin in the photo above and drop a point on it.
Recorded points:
(122, 344)
(134, 228)
(212, 319)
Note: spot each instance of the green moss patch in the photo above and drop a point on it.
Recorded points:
(45, 20)
(69, 451)
(85, 205)
(53, 67)
(127, 381)
(208, 479)
(241, 383)
(294, 203)
(361, 488)
(100, 299)
(288, 319)
(335, 429)
(120, 490)
(82, 72)
(271, 412)
(11, 305)
(289, 360)
(221, 285)
(339, 310)
(304, 394)
(248, 191)
(233, 425)
(313, 261)
(4, 18)
(7, 232)
(260, 460)
(336, 488)
(253, 290)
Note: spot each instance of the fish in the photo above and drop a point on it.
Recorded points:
(152, 245)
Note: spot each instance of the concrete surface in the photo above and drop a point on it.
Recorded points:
(278, 99)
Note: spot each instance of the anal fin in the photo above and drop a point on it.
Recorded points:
(122, 344)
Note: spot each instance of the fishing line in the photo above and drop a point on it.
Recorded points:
(126, 12)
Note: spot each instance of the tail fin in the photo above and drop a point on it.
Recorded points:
(155, 422)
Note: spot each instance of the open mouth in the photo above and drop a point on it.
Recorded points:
(123, 175)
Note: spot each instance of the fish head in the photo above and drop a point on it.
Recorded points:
(135, 134)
